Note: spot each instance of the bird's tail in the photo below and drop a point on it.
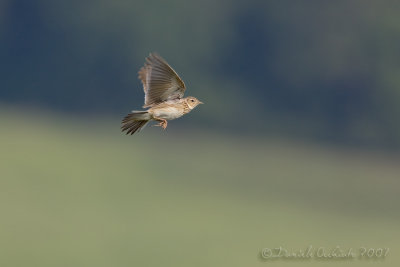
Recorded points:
(135, 121)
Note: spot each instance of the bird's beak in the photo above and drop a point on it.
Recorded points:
(201, 102)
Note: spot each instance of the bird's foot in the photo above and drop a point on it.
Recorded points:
(163, 123)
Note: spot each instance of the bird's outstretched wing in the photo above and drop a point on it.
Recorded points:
(160, 81)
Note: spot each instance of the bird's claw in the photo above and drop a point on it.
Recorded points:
(163, 124)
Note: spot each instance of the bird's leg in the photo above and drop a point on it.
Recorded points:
(163, 123)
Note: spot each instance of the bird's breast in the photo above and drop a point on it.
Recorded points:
(168, 113)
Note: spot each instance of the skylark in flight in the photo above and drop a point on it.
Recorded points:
(163, 92)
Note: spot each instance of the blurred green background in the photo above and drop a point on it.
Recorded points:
(297, 145)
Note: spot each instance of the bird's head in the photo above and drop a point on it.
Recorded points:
(192, 102)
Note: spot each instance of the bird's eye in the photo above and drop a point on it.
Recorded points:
(192, 100)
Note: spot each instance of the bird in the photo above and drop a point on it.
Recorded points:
(163, 96)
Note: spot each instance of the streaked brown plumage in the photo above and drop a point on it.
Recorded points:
(163, 92)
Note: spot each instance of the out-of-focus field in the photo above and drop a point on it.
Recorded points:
(83, 194)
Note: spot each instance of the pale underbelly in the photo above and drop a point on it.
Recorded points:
(168, 113)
